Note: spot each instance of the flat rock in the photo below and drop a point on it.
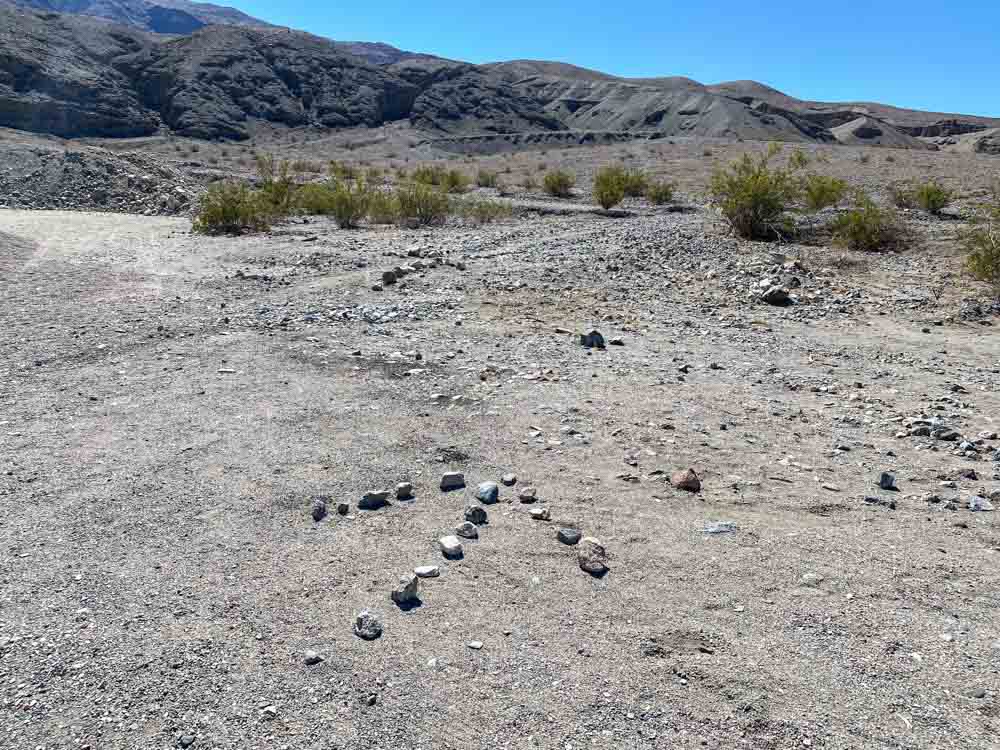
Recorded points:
(540, 514)
(427, 571)
(374, 500)
(569, 536)
(467, 530)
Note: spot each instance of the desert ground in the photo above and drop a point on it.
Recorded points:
(174, 408)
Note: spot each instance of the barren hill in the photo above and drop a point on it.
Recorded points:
(79, 75)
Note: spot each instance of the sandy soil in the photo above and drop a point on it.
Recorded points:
(171, 405)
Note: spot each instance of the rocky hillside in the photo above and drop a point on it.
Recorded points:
(78, 75)
(161, 16)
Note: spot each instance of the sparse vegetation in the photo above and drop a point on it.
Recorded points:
(449, 180)
(798, 160)
(486, 178)
(821, 191)
(982, 245)
(349, 202)
(342, 171)
(754, 196)
(867, 227)
(634, 182)
(660, 193)
(232, 208)
(276, 183)
(383, 207)
(559, 183)
(932, 197)
(423, 205)
(482, 210)
(609, 186)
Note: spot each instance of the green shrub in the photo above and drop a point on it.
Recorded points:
(635, 183)
(660, 193)
(821, 191)
(982, 246)
(753, 196)
(558, 183)
(609, 186)
(341, 171)
(482, 210)
(315, 199)
(276, 184)
(373, 175)
(383, 208)
(903, 195)
(450, 180)
(232, 208)
(798, 160)
(486, 179)
(423, 205)
(932, 197)
(349, 203)
(867, 227)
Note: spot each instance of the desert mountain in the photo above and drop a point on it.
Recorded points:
(160, 16)
(79, 75)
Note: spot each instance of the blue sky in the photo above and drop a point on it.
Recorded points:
(921, 54)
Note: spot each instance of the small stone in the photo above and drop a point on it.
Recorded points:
(427, 571)
(978, 693)
(540, 514)
(374, 500)
(318, 510)
(887, 481)
(811, 579)
(592, 340)
(450, 547)
(311, 658)
(404, 491)
(452, 480)
(686, 480)
(408, 590)
(616, 342)
(186, 740)
(467, 530)
(476, 514)
(270, 712)
(979, 504)
(488, 493)
(569, 536)
(475, 645)
(528, 495)
(367, 625)
(592, 557)
(777, 296)
(509, 480)
(388, 278)
(720, 527)
(343, 508)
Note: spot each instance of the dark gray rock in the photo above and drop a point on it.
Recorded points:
(569, 536)
(488, 493)
(368, 625)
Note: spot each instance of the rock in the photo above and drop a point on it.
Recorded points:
(616, 342)
(528, 495)
(720, 527)
(592, 557)
(592, 340)
(945, 434)
(404, 491)
(311, 658)
(488, 493)
(318, 510)
(374, 500)
(450, 547)
(475, 645)
(343, 508)
(367, 625)
(686, 480)
(475, 514)
(467, 530)
(777, 296)
(979, 504)
(509, 480)
(186, 740)
(540, 514)
(569, 536)
(427, 571)
(408, 590)
(388, 278)
(452, 480)
(887, 481)
(811, 580)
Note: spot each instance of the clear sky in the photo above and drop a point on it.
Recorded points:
(923, 54)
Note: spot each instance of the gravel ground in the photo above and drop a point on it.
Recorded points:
(171, 407)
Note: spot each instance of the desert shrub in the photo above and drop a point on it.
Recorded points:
(449, 180)
(276, 183)
(798, 160)
(660, 193)
(867, 227)
(342, 171)
(821, 191)
(932, 196)
(903, 195)
(982, 246)
(486, 179)
(315, 199)
(558, 183)
(482, 210)
(753, 196)
(383, 207)
(303, 165)
(423, 205)
(609, 186)
(232, 208)
(635, 183)
(373, 175)
(349, 202)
